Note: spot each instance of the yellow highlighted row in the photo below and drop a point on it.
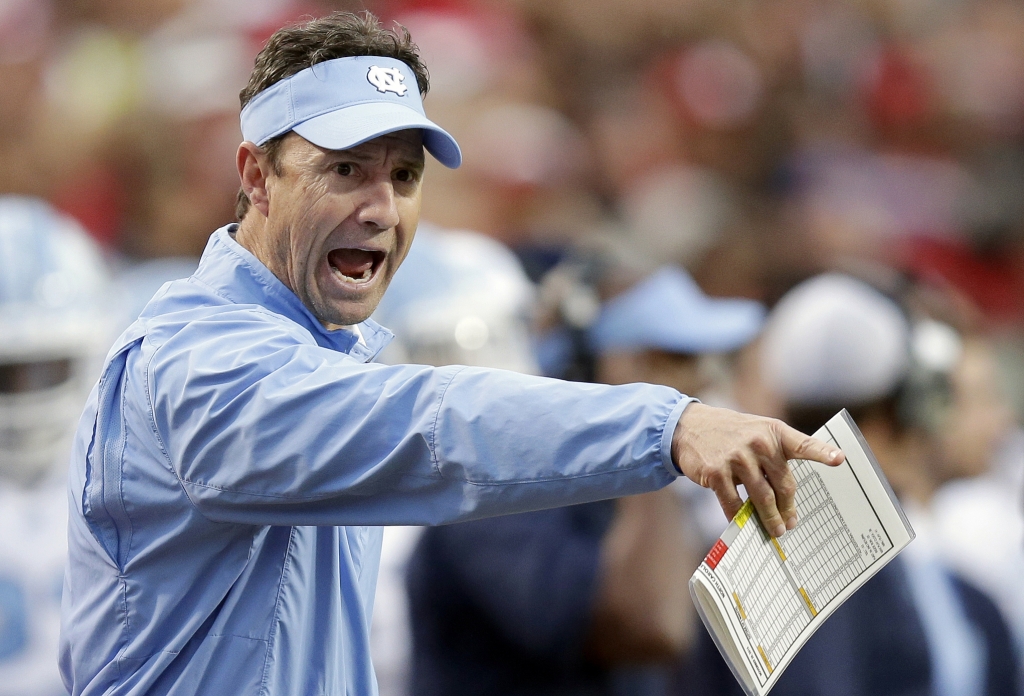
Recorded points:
(803, 593)
(744, 514)
(765, 658)
(778, 548)
(743, 613)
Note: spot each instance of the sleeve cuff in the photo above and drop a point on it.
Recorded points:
(666, 435)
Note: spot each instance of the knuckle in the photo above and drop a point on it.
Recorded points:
(727, 497)
(767, 510)
(734, 455)
(805, 447)
(766, 494)
(761, 444)
(757, 486)
(749, 456)
(787, 488)
(715, 479)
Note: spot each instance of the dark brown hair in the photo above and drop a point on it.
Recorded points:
(338, 35)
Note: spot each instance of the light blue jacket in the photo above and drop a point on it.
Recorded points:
(235, 460)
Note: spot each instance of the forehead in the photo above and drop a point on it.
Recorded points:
(406, 144)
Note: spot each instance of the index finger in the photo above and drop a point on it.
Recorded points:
(796, 445)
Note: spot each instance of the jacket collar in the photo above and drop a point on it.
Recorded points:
(238, 276)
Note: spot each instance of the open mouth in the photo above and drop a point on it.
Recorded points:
(355, 265)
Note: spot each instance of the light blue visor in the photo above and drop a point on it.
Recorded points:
(344, 102)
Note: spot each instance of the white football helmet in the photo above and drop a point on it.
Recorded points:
(54, 325)
(459, 298)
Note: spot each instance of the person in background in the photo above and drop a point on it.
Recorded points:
(978, 514)
(583, 599)
(835, 341)
(459, 298)
(53, 319)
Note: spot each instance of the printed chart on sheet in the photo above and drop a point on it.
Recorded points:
(762, 598)
(822, 558)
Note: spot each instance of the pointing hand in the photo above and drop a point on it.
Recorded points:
(719, 449)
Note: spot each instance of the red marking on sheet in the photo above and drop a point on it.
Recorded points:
(715, 554)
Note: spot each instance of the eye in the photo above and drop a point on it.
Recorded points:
(343, 169)
(404, 175)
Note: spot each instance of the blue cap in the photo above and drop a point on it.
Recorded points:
(668, 311)
(341, 103)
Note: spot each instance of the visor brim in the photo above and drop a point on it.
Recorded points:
(359, 123)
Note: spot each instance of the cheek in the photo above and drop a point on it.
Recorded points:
(317, 215)
(289, 207)
(313, 205)
(409, 215)
(409, 208)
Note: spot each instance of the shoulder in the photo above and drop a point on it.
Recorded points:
(190, 312)
(189, 331)
(225, 341)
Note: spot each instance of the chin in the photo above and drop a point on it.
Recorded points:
(347, 318)
(345, 306)
(346, 313)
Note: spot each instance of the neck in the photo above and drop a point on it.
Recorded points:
(253, 236)
(249, 234)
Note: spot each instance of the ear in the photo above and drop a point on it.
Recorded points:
(253, 168)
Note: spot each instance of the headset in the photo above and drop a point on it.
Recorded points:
(907, 376)
(924, 396)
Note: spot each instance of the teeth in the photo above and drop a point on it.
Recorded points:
(366, 275)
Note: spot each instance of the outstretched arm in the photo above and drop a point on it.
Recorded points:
(719, 449)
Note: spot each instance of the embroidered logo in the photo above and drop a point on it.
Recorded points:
(387, 80)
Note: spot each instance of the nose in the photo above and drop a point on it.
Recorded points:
(379, 207)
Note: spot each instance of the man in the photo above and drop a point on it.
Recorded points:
(581, 600)
(53, 314)
(238, 453)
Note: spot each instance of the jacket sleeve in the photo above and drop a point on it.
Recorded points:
(261, 427)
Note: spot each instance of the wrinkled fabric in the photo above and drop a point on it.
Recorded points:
(236, 459)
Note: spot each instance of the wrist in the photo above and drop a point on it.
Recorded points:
(673, 434)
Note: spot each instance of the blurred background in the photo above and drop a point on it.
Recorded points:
(753, 144)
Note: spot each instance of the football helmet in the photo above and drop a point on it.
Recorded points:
(54, 325)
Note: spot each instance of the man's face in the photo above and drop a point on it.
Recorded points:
(340, 222)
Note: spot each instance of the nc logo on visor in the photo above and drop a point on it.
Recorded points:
(387, 80)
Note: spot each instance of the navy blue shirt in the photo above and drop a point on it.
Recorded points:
(502, 607)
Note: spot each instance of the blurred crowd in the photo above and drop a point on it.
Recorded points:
(784, 206)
